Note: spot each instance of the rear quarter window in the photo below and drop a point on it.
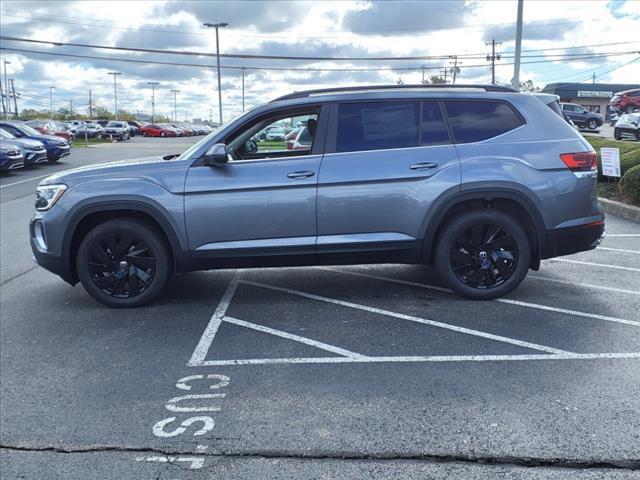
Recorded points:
(474, 121)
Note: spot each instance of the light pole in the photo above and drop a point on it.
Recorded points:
(243, 69)
(115, 92)
(175, 104)
(51, 89)
(6, 88)
(217, 26)
(153, 100)
(516, 64)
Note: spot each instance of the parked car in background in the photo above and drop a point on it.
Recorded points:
(33, 151)
(182, 132)
(627, 126)
(10, 156)
(553, 102)
(176, 130)
(49, 127)
(116, 129)
(101, 122)
(275, 134)
(135, 127)
(582, 117)
(56, 147)
(92, 130)
(627, 101)
(290, 137)
(156, 130)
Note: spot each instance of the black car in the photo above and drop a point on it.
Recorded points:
(628, 126)
(582, 117)
(56, 147)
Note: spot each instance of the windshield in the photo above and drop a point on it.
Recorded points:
(27, 130)
(114, 124)
(5, 134)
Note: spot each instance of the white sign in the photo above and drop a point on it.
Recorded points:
(594, 93)
(610, 158)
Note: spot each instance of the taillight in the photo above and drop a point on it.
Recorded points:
(580, 162)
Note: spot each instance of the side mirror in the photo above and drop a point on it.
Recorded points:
(216, 156)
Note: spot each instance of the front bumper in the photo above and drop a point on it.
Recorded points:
(32, 157)
(12, 163)
(566, 241)
(47, 260)
(57, 152)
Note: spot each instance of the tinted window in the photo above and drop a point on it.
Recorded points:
(434, 129)
(380, 125)
(473, 121)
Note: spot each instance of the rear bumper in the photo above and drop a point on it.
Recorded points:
(565, 241)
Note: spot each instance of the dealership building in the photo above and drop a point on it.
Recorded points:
(592, 96)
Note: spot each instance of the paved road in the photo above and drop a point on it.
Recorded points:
(347, 372)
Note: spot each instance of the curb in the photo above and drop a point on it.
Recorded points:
(620, 209)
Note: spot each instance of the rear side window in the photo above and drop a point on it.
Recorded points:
(434, 128)
(376, 126)
(474, 121)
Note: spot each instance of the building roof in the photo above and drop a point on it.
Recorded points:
(574, 90)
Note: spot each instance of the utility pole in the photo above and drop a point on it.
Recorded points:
(516, 64)
(6, 87)
(4, 109)
(243, 69)
(455, 70)
(594, 78)
(15, 101)
(217, 26)
(90, 106)
(492, 58)
(71, 108)
(153, 100)
(115, 92)
(175, 104)
(51, 89)
(424, 82)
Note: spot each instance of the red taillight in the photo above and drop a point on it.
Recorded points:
(580, 161)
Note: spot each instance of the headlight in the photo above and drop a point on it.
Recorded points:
(48, 195)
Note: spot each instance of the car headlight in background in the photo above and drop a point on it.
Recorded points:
(48, 195)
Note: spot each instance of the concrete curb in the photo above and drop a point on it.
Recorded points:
(620, 209)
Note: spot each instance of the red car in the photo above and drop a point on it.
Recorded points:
(49, 127)
(153, 130)
(627, 101)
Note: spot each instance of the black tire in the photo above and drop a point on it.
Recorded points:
(52, 160)
(144, 134)
(123, 263)
(162, 134)
(616, 134)
(483, 254)
(630, 109)
(592, 124)
(638, 135)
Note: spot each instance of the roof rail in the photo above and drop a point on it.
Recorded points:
(308, 93)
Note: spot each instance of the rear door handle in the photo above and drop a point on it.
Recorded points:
(423, 166)
(305, 174)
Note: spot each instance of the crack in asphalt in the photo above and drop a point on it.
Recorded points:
(530, 462)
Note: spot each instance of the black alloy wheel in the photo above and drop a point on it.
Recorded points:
(123, 263)
(484, 255)
(593, 124)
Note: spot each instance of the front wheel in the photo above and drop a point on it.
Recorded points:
(123, 263)
(593, 124)
(616, 134)
(483, 254)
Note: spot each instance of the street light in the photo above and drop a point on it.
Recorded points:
(115, 92)
(51, 89)
(217, 26)
(175, 109)
(6, 87)
(153, 100)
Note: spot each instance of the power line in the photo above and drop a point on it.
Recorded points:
(609, 71)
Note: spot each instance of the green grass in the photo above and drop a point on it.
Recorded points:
(79, 142)
(265, 146)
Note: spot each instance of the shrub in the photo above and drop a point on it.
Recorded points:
(630, 184)
(629, 152)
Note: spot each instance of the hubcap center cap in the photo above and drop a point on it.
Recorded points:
(123, 265)
(483, 255)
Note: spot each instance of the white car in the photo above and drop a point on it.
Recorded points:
(627, 126)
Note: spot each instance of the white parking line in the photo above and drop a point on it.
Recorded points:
(622, 250)
(591, 264)
(623, 234)
(411, 318)
(442, 358)
(501, 300)
(200, 352)
(29, 179)
(586, 285)
(296, 338)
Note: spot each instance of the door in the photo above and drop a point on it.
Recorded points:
(385, 163)
(262, 203)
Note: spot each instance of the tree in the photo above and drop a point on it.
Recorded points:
(437, 80)
(528, 86)
(400, 81)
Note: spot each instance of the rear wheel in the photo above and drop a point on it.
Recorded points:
(123, 263)
(483, 254)
(593, 124)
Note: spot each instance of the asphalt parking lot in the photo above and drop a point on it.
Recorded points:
(345, 372)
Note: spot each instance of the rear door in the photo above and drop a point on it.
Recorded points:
(385, 163)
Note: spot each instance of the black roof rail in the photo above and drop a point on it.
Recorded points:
(308, 93)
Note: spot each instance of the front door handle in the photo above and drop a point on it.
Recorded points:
(423, 166)
(305, 174)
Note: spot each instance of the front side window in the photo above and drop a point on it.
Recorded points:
(377, 126)
(278, 135)
(474, 121)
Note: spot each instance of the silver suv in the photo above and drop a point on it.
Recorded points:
(480, 181)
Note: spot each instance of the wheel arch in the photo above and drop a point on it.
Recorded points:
(86, 217)
(506, 200)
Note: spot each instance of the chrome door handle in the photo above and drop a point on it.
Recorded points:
(306, 174)
(423, 166)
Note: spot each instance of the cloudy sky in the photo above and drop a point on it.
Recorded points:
(605, 30)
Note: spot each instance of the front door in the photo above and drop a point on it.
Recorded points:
(262, 203)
